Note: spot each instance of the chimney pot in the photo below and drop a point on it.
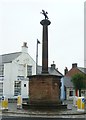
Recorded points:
(25, 47)
(24, 44)
(74, 65)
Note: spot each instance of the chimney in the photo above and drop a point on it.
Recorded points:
(74, 65)
(65, 70)
(53, 66)
(25, 47)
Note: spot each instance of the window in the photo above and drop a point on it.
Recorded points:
(24, 85)
(70, 93)
(20, 77)
(1, 69)
(1, 78)
(17, 88)
(29, 70)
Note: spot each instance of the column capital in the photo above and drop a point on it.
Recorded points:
(45, 22)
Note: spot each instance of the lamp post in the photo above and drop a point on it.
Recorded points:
(38, 42)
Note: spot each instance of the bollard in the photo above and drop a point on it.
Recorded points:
(81, 104)
(4, 103)
(19, 102)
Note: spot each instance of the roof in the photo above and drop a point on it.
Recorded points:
(82, 69)
(51, 71)
(7, 58)
(67, 82)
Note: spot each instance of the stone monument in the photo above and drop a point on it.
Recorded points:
(44, 89)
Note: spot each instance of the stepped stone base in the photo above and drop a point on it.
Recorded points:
(44, 106)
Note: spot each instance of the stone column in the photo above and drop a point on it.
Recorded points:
(45, 24)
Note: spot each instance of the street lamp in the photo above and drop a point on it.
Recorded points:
(38, 42)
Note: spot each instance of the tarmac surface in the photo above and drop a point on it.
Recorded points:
(36, 118)
(21, 114)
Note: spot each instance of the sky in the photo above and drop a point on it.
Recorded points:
(20, 22)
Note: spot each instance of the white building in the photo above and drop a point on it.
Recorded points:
(14, 69)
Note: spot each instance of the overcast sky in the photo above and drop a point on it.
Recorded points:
(20, 22)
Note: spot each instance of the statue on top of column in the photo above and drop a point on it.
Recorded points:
(45, 14)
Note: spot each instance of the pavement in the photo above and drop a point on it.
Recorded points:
(70, 112)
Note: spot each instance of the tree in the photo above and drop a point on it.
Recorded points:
(79, 82)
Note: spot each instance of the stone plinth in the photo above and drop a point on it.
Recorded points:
(44, 89)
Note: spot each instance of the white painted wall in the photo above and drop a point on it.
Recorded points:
(24, 90)
(67, 93)
(22, 61)
(18, 67)
(7, 83)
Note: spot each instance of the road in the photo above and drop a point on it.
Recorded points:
(39, 118)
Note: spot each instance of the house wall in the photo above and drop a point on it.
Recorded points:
(68, 95)
(25, 89)
(70, 73)
(83, 93)
(22, 61)
(18, 67)
(7, 83)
